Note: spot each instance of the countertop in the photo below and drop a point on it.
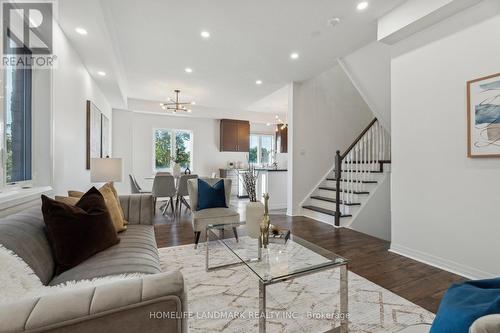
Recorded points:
(258, 169)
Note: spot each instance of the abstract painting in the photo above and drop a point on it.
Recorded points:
(483, 117)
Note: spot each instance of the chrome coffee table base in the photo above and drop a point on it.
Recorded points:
(240, 262)
(343, 298)
(265, 279)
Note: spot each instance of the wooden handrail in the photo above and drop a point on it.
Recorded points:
(338, 170)
(359, 138)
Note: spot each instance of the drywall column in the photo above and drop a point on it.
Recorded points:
(444, 205)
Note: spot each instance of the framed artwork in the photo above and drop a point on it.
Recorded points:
(93, 132)
(105, 139)
(483, 117)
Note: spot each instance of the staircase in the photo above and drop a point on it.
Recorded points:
(351, 182)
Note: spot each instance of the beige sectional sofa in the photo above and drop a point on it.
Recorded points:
(154, 303)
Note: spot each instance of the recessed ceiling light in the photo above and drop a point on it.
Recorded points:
(101, 73)
(268, 124)
(189, 110)
(188, 70)
(294, 55)
(362, 5)
(276, 117)
(205, 34)
(258, 82)
(81, 31)
(193, 103)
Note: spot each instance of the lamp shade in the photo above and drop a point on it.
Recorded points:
(105, 170)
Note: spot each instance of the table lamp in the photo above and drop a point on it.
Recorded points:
(105, 170)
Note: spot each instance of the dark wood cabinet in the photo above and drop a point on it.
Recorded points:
(281, 139)
(234, 135)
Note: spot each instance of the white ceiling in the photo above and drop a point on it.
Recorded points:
(275, 103)
(145, 45)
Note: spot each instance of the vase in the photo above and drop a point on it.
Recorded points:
(176, 170)
(254, 215)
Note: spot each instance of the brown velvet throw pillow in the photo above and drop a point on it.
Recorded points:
(78, 232)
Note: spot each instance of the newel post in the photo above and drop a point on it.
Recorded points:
(338, 175)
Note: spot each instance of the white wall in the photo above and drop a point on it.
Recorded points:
(133, 141)
(369, 68)
(444, 205)
(374, 218)
(72, 87)
(327, 114)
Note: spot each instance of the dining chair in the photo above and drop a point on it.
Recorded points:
(182, 192)
(164, 187)
(134, 185)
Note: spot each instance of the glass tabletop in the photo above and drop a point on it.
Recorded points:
(278, 261)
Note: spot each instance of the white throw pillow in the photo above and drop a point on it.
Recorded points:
(16, 277)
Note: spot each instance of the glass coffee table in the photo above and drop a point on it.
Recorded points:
(276, 263)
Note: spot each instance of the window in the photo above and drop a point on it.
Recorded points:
(172, 146)
(18, 125)
(260, 149)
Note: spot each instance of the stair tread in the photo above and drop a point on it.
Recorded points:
(323, 210)
(318, 197)
(363, 181)
(342, 190)
(369, 171)
(367, 162)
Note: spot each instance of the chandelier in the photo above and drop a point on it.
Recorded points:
(280, 124)
(175, 105)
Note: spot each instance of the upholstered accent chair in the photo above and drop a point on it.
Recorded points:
(202, 218)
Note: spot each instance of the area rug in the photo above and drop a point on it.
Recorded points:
(226, 300)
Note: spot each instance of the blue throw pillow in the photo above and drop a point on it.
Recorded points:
(211, 196)
(464, 303)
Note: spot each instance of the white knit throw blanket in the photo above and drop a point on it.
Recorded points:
(18, 281)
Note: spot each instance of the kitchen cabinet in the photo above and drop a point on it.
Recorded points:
(234, 135)
(282, 139)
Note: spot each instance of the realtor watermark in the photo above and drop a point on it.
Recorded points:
(27, 34)
(269, 315)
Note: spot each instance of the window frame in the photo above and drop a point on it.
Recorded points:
(259, 147)
(173, 139)
(3, 144)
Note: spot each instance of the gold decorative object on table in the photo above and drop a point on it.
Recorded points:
(278, 235)
(264, 225)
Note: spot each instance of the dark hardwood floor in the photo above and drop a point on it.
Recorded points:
(369, 256)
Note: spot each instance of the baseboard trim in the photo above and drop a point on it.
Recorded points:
(441, 263)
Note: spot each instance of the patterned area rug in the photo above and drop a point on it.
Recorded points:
(226, 300)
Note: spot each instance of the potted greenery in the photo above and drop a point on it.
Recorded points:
(181, 159)
(254, 209)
